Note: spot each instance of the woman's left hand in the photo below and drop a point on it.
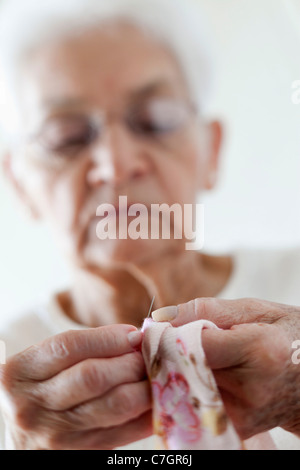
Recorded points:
(251, 357)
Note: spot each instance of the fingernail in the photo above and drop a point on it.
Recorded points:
(165, 314)
(135, 338)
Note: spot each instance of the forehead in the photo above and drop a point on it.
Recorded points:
(101, 67)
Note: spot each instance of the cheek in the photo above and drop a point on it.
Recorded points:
(56, 194)
(182, 172)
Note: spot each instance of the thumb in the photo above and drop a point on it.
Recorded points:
(224, 313)
(223, 348)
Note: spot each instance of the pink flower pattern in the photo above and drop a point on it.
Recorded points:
(188, 412)
(177, 419)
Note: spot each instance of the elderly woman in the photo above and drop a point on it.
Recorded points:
(106, 98)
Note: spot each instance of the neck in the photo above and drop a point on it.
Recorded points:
(102, 297)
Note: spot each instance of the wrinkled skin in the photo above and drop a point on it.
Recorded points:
(87, 389)
(78, 390)
(251, 357)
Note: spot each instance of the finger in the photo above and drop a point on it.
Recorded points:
(89, 379)
(224, 313)
(102, 438)
(60, 352)
(133, 431)
(224, 348)
(119, 406)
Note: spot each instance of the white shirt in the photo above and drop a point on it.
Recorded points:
(268, 275)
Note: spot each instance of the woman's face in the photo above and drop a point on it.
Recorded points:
(70, 163)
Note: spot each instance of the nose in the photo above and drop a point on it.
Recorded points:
(117, 158)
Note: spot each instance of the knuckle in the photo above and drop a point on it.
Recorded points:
(205, 307)
(15, 407)
(73, 419)
(24, 416)
(122, 402)
(109, 336)
(137, 359)
(21, 412)
(60, 346)
(94, 377)
(61, 423)
(137, 365)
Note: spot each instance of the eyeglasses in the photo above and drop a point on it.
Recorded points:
(155, 119)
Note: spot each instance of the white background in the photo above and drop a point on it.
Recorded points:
(257, 200)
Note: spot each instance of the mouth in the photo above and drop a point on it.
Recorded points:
(123, 209)
(119, 210)
(112, 210)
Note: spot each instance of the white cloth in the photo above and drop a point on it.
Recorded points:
(269, 275)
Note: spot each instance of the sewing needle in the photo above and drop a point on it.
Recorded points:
(150, 309)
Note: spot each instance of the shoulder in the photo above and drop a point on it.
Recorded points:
(271, 274)
(33, 326)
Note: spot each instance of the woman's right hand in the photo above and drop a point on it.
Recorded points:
(83, 389)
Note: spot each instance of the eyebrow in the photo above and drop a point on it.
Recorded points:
(150, 88)
(68, 103)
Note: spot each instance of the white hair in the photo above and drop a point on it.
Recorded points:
(178, 24)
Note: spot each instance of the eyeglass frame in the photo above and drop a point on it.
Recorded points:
(99, 120)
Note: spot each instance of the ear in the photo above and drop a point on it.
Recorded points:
(215, 139)
(9, 170)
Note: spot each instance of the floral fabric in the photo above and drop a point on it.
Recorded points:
(188, 411)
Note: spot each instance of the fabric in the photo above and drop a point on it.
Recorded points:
(266, 274)
(188, 412)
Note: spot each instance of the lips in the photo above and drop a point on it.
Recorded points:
(121, 208)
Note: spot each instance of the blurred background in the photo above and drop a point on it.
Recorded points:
(256, 203)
